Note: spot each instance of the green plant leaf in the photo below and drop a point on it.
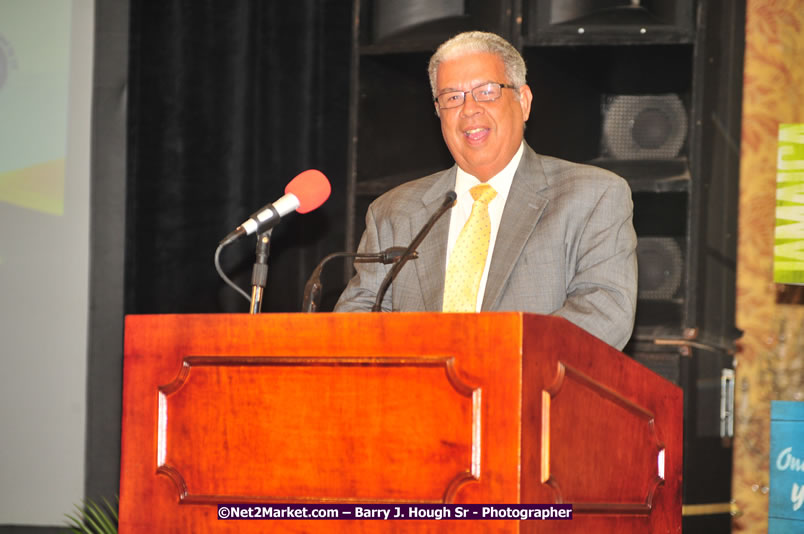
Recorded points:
(99, 519)
(112, 509)
(91, 521)
(92, 518)
(75, 522)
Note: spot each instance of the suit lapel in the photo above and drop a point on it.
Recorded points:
(431, 263)
(522, 210)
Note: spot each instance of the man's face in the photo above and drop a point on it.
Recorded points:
(482, 136)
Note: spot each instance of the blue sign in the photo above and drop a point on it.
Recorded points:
(786, 505)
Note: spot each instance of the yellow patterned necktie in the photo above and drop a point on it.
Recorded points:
(468, 257)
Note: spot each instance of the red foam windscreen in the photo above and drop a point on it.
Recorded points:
(311, 188)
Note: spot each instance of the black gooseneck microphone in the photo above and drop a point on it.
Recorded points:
(449, 201)
(313, 287)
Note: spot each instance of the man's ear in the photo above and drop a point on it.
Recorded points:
(438, 114)
(525, 99)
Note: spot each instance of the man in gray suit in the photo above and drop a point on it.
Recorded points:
(561, 237)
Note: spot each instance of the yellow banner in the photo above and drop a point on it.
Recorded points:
(788, 254)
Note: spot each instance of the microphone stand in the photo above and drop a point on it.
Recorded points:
(312, 290)
(448, 202)
(259, 273)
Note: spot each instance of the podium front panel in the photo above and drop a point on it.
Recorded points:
(385, 408)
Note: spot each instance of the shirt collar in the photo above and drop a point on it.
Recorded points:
(501, 182)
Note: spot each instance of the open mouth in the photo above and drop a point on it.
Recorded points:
(476, 134)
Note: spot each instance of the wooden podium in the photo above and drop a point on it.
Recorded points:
(498, 408)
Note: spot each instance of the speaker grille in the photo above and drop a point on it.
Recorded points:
(661, 265)
(644, 126)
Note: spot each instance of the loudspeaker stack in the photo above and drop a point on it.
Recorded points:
(650, 89)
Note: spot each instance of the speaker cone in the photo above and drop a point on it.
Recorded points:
(661, 265)
(644, 127)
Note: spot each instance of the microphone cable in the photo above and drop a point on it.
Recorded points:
(223, 275)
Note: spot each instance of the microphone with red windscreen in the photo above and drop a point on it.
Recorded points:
(304, 193)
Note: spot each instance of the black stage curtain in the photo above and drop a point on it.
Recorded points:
(229, 100)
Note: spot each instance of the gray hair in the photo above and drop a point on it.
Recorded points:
(479, 42)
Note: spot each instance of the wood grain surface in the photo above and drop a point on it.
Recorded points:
(392, 408)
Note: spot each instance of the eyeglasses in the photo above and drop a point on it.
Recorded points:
(482, 93)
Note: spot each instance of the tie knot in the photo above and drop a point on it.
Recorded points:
(483, 193)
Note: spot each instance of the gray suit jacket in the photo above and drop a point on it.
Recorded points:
(566, 246)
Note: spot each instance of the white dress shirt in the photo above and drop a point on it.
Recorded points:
(501, 182)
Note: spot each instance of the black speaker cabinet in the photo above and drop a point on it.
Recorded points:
(649, 89)
(707, 377)
(587, 21)
(420, 25)
(394, 17)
